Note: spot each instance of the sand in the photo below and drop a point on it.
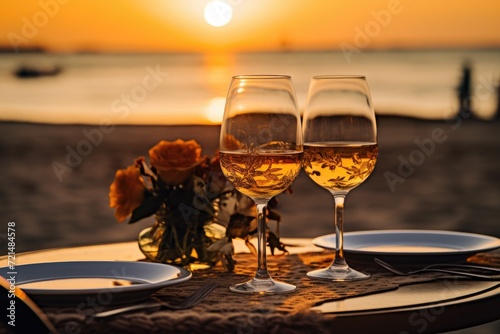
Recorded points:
(430, 175)
(442, 175)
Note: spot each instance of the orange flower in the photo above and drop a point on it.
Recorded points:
(126, 192)
(175, 161)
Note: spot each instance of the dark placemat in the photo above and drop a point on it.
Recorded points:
(227, 312)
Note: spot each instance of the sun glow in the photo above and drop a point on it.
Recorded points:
(218, 13)
(215, 110)
(256, 25)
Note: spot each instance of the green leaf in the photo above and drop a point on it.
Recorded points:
(147, 208)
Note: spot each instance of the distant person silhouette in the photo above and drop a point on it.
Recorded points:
(464, 91)
(497, 114)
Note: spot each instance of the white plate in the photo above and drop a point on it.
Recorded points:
(411, 245)
(105, 282)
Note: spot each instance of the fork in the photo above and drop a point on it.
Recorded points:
(464, 266)
(190, 301)
(432, 268)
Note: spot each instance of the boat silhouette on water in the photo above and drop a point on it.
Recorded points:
(25, 72)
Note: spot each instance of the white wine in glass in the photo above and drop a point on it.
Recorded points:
(340, 151)
(261, 154)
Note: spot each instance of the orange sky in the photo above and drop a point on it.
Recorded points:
(179, 26)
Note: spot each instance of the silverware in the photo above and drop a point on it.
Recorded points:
(188, 302)
(432, 268)
(464, 266)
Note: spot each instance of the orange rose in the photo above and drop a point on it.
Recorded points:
(175, 161)
(126, 192)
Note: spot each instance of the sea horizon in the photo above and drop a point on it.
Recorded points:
(190, 88)
(7, 49)
(379, 117)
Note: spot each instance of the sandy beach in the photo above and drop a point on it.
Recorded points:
(430, 175)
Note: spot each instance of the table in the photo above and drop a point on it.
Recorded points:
(427, 307)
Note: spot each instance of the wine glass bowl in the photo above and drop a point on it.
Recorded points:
(340, 150)
(261, 153)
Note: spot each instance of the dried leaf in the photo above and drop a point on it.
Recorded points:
(250, 246)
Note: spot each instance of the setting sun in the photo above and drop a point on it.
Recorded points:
(195, 26)
(218, 13)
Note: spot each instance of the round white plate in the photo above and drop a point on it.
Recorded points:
(104, 282)
(411, 245)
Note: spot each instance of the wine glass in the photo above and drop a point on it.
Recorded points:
(261, 153)
(340, 150)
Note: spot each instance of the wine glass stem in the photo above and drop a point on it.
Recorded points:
(339, 231)
(262, 272)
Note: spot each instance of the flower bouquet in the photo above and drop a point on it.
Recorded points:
(197, 213)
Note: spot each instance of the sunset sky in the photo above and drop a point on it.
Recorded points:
(215, 30)
(179, 25)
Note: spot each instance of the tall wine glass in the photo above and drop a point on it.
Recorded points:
(340, 150)
(261, 153)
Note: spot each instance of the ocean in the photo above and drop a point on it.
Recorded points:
(190, 88)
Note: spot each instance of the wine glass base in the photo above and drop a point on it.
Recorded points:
(262, 286)
(337, 274)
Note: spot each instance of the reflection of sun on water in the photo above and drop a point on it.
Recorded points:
(215, 110)
(218, 70)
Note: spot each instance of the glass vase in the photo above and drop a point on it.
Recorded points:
(170, 240)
